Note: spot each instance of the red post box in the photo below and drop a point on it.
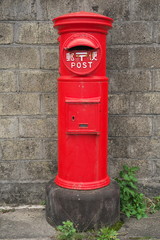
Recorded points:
(82, 191)
(82, 101)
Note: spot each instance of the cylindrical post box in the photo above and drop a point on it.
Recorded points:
(82, 101)
(82, 191)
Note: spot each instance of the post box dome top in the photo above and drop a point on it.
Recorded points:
(82, 20)
(83, 14)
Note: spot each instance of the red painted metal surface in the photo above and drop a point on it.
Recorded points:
(82, 101)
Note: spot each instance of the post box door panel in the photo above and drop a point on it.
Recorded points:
(82, 116)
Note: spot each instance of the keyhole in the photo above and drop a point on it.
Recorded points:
(73, 118)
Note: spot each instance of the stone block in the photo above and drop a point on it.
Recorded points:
(156, 32)
(21, 149)
(130, 126)
(158, 9)
(8, 81)
(38, 127)
(141, 148)
(145, 148)
(19, 104)
(49, 82)
(129, 81)
(9, 127)
(28, 57)
(116, 9)
(42, 11)
(7, 10)
(61, 7)
(30, 81)
(131, 33)
(38, 81)
(49, 149)
(1, 153)
(157, 168)
(22, 193)
(155, 144)
(145, 10)
(26, 10)
(29, 104)
(118, 104)
(109, 42)
(49, 103)
(37, 170)
(9, 57)
(146, 167)
(145, 103)
(36, 33)
(27, 32)
(18, 10)
(49, 58)
(156, 125)
(6, 33)
(150, 187)
(118, 147)
(118, 58)
(156, 80)
(46, 33)
(147, 57)
(19, 57)
(10, 170)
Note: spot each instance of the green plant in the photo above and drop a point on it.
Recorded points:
(157, 202)
(132, 202)
(7, 210)
(153, 205)
(66, 231)
(43, 202)
(117, 225)
(107, 234)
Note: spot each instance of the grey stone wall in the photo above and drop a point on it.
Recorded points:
(28, 92)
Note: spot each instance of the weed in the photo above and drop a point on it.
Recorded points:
(117, 225)
(132, 202)
(43, 202)
(153, 205)
(7, 210)
(107, 234)
(66, 231)
(157, 202)
(140, 238)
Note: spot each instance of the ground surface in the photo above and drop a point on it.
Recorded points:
(30, 224)
(146, 228)
(25, 224)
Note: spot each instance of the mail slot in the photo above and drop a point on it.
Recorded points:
(82, 101)
(81, 53)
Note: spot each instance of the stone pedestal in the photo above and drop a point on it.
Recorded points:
(90, 209)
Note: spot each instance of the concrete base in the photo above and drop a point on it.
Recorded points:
(90, 209)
